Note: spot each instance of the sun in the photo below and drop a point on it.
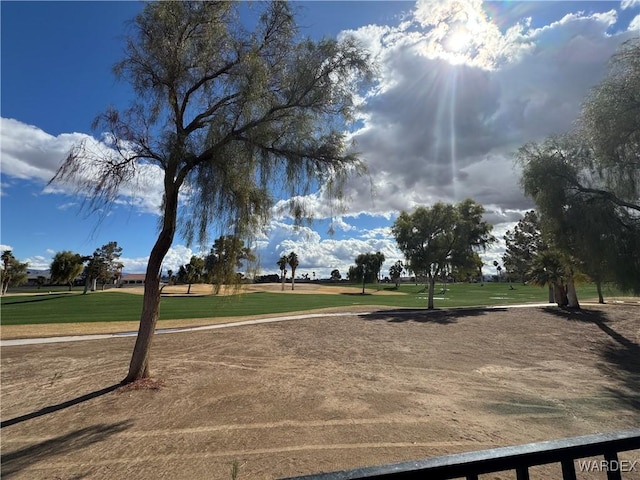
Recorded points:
(459, 40)
(460, 32)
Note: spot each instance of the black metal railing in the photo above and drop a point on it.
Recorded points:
(519, 458)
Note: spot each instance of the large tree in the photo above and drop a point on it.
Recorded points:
(586, 183)
(601, 236)
(225, 109)
(610, 124)
(65, 267)
(437, 238)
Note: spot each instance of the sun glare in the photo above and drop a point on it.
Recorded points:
(460, 31)
(459, 40)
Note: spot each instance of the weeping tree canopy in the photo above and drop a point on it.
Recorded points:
(610, 124)
(228, 107)
(597, 230)
(586, 183)
(226, 113)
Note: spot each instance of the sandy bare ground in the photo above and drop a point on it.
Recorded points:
(321, 394)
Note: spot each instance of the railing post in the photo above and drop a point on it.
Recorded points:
(568, 469)
(612, 458)
(522, 473)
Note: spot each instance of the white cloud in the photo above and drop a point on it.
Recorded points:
(67, 205)
(37, 262)
(321, 255)
(30, 153)
(176, 256)
(626, 4)
(634, 26)
(445, 130)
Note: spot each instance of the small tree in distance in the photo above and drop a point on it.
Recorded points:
(395, 272)
(292, 260)
(65, 267)
(13, 273)
(282, 263)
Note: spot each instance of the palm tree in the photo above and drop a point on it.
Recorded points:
(282, 263)
(293, 262)
(6, 256)
(548, 269)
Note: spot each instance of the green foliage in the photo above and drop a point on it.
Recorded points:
(610, 124)
(292, 260)
(192, 272)
(13, 272)
(335, 275)
(104, 265)
(436, 239)
(395, 272)
(602, 237)
(369, 265)
(66, 267)
(523, 244)
(227, 254)
(468, 270)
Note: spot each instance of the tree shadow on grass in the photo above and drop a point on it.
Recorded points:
(43, 298)
(443, 317)
(621, 357)
(59, 406)
(15, 461)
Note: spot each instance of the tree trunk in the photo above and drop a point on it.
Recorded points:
(599, 288)
(293, 278)
(560, 294)
(572, 295)
(552, 294)
(283, 278)
(432, 287)
(70, 285)
(139, 366)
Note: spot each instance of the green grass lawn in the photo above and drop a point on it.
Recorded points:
(60, 307)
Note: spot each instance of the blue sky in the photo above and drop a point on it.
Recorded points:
(462, 85)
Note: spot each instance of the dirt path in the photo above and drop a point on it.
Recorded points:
(320, 394)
